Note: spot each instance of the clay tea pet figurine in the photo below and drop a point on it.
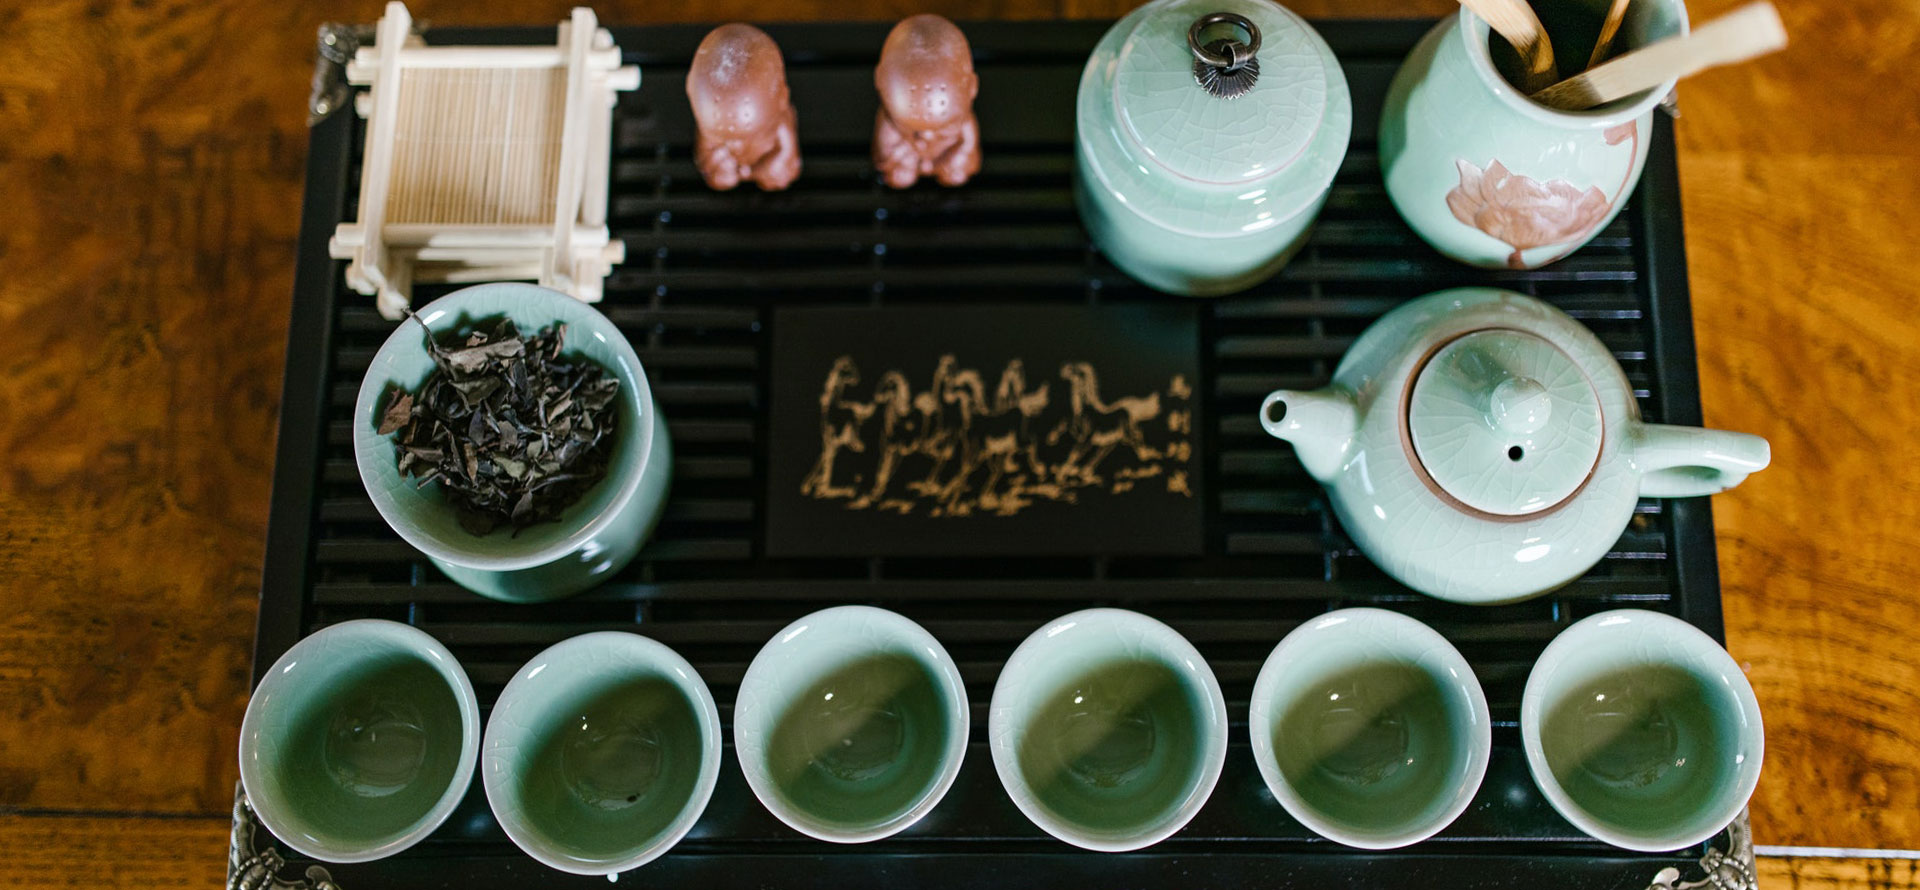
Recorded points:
(926, 126)
(738, 87)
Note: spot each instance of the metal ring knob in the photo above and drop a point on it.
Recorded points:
(1238, 54)
(1225, 68)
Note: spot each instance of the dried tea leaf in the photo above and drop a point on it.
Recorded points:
(475, 358)
(399, 410)
(513, 432)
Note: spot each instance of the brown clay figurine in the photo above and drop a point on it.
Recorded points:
(926, 125)
(738, 87)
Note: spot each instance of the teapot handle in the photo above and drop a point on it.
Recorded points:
(1686, 461)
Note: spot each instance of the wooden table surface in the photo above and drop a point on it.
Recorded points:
(151, 154)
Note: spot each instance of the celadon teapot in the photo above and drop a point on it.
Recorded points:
(1482, 446)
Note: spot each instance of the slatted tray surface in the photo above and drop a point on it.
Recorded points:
(704, 270)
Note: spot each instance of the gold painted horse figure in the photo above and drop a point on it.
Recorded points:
(841, 420)
(906, 420)
(1098, 427)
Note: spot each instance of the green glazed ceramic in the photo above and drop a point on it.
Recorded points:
(851, 724)
(1370, 728)
(601, 753)
(1641, 730)
(1492, 179)
(596, 537)
(1482, 446)
(1196, 194)
(1108, 730)
(359, 741)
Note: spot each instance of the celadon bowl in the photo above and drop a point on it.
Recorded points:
(1641, 730)
(851, 724)
(1370, 728)
(594, 538)
(359, 741)
(1108, 730)
(601, 753)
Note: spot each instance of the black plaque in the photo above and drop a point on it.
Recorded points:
(985, 429)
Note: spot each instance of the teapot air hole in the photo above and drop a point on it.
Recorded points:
(1276, 411)
(1514, 453)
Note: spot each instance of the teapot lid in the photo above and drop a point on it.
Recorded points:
(1215, 123)
(1504, 422)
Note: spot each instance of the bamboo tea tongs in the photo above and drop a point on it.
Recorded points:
(1742, 34)
(1616, 13)
(1515, 21)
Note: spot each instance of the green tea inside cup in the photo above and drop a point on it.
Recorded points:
(602, 753)
(1370, 728)
(1642, 731)
(1108, 730)
(1116, 748)
(851, 724)
(1639, 748)
(359, 741)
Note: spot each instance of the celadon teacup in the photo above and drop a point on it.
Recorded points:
(851, 724)
(601, 753)
(1108, 730)
(359, 741)
(1641, 730)
(1370, 728)
(597, 536)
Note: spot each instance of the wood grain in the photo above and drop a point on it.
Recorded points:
(150, 178)
(1799, 186)
(102, 852)
(1797, 873)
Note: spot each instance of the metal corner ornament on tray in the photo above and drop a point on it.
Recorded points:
(255, 865)
(1729, 869)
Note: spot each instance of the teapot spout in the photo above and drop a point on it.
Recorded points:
(1320, 424)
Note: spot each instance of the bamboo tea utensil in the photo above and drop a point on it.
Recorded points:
(1616, 13)
(1515, 21)
(1742, 34)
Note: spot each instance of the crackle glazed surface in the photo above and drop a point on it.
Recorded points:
(1494, 180)
(1108, 730)
(359, 741)
(1641, 730)
(1194, 194)
(597, 536)
(851, 724)
(1370, 728)
(1445, 521)
(601, 753)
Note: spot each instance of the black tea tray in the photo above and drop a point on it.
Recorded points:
(708, 281)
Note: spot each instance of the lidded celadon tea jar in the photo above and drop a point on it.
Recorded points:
(1208, 133)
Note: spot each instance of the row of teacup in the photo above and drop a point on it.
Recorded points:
(1107, 729)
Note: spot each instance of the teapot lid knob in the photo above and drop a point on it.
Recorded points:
(1519, 405)
(1504, 423)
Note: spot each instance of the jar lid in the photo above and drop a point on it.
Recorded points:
(1183, 126)
(1241, 156)
(1505, 422)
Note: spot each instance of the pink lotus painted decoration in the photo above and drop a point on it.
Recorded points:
(1524, 213)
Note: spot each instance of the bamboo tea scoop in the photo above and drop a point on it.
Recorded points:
(1515, 21)
(1616, 13)
(1749, 31)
